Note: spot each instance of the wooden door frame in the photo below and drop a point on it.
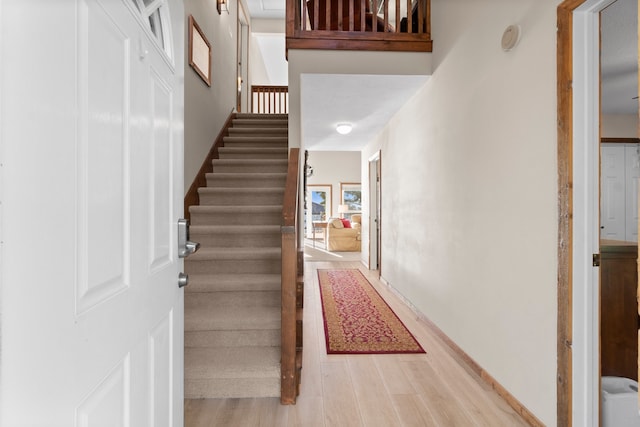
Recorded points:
(578, 208)
(565, 194)
(241, 46)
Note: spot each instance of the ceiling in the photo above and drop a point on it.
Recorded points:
(266, 9)
(331, 99)
(366, 101)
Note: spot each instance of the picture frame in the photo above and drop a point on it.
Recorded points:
(199, 51)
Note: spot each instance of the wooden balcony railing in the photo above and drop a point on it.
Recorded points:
(353, 25)
(292, 287)
(270, 99)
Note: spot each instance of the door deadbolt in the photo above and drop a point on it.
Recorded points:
(183, 280)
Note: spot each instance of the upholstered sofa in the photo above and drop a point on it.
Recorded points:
(341, 238)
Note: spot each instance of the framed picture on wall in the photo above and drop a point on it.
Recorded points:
(199, 51)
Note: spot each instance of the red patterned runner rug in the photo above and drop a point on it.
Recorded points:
(356, 318)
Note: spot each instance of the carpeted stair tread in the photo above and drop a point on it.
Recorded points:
(233, 282)
(257, 162)
(252, 142)
(223, 190)
(220, 196)
(255, 180)
(266, 131)
(252, 210)
(253, 152)
(235, 253)
(238, 265)
(259, 123)
(227, 311)
(233, 229)
(262, 116)
(236, 215)
(232, 362)
(271, 141)
(231, 388)
(236, 235)
(233, 338)
(232, 299)
(249, 165)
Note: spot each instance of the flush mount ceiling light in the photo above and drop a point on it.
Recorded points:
(344, 128)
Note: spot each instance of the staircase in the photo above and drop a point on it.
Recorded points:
(233, 301)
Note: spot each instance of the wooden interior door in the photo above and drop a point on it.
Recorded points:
(92, 315)
(612, 191)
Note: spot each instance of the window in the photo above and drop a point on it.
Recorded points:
(319, 200)
(318, 206)
(350, 199)
(155, 17)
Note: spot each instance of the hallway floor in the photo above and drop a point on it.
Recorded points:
(431, 389)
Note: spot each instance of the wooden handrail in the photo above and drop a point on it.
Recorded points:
(290, 202)
(359, 24)
(291, 320)
(270, 99)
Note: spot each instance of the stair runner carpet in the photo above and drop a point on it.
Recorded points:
(232, 303)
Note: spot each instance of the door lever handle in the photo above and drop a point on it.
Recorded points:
(185, 246)
(191, 247)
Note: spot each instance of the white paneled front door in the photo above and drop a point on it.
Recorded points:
(91, 126)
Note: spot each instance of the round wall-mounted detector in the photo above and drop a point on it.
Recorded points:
(510, 37)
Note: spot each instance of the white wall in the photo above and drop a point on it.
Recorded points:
(619, 126)
(267, 49)
(259, 74)
(469, 193)
(207, 108)
(332, 168)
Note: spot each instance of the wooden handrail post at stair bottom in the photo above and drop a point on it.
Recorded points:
(290, 351)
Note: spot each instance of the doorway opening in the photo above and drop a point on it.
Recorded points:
(375, 187)
(243, 62)
(579, 126)
(619, 177)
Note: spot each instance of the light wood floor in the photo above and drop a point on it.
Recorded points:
(367, 390)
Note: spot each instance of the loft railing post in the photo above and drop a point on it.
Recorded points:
(292, 15)
(428, 18)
